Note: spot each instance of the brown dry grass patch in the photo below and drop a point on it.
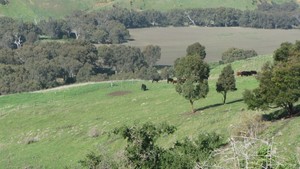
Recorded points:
(174, 40)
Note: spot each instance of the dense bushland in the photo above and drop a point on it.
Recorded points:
(47, 65)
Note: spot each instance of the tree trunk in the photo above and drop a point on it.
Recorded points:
(224, 97)
(290, 108)
(192, 105)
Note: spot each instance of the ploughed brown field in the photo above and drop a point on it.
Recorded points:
(174, 40)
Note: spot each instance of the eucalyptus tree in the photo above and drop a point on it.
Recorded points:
(192, 73)
(278, 82)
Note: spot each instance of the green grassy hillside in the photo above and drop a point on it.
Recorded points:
(51, 129)
(36, 9)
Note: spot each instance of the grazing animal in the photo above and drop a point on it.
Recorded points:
(253, 72)
(174, 81)
(246, 73)
(170, 80)
(155, 80)
(144, 87)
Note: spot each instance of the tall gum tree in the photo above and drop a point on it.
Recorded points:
(192, 73)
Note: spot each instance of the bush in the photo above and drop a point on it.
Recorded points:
(143, 152)
(91, 161)
(233, 54)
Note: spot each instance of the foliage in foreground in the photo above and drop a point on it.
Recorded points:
(143, 152)
(253, 153)
(246, 150)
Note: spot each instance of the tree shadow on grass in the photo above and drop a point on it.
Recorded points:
(218, 104)
(281, 114)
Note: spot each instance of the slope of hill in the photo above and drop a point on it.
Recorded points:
(36, 9)
(54, 129)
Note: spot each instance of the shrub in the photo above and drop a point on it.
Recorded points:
(233, 54)
(143, 152)
(91, 161)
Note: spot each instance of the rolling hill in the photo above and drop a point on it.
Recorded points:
(35, 10)
(53, 128)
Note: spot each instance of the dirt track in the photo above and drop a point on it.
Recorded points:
(77, 84)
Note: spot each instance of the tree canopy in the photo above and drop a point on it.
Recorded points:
(196, 49)
(192, 73)
(278, 82)
(151, 54)
(226, 82)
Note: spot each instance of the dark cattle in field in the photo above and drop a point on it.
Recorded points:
(155, 80)
(170, 80)
(253, 72)
(174, 81)
(144, 87)
(246, 73)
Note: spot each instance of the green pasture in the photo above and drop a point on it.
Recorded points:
(35, 10)
(58, 122)
(165, 5)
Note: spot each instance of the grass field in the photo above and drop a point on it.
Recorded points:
(36, 9)
(50, 129)
(174, 40)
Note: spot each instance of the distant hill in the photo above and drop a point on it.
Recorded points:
(37, 9)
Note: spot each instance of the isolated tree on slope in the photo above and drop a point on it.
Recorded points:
(279, 83)
(192, 73)
(226, 82)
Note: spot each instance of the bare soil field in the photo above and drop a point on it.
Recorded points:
(174, 40)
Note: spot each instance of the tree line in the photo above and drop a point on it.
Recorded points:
(109, 26)
(50, 64)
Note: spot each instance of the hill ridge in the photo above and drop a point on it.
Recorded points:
(34, 9)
